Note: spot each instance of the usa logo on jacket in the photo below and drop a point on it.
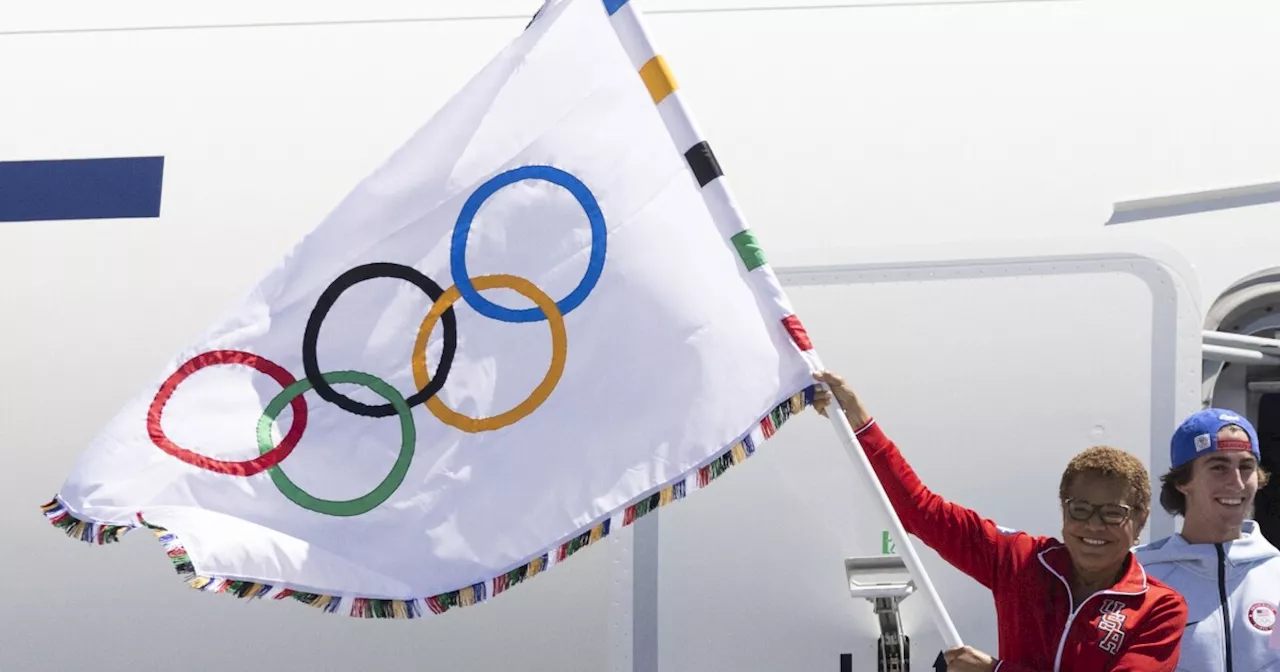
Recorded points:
(1262, 616)
(1111, 626)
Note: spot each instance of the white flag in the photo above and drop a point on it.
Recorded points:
(540, 319)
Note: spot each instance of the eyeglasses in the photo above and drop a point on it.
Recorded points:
(1110, 514)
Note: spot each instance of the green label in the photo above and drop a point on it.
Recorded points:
(887, 547)
(749, 249)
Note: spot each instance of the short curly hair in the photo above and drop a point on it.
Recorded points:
(1111, 463)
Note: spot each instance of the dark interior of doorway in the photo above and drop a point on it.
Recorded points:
(1267, 503)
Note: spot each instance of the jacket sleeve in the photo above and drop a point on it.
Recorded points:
(1157, 647)
(963, 538)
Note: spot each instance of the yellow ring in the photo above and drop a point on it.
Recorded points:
(559, 353)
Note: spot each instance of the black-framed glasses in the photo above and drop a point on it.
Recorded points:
(1110, 514)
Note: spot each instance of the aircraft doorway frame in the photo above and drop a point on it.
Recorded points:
(1242, 372)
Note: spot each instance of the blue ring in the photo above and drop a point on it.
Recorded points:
(458, 251)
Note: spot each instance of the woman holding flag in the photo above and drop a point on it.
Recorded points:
(1083, 603)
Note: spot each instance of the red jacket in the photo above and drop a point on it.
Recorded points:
(1135, 626)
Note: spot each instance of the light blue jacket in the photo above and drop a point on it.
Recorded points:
(1232, 591)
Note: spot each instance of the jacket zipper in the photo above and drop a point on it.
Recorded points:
(1071, 617)
(1222, 598)
(1072, 613)
(1066, 630)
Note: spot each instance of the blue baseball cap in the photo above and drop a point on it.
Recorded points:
(1198, 435)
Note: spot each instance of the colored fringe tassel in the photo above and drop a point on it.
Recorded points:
(365, 608)
(519, 574)
(362, 607)
(583, 540)
(93, 533)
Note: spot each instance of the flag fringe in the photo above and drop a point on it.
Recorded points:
(362, 607)
(86, 531)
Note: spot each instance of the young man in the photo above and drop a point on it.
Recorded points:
(1228, 572)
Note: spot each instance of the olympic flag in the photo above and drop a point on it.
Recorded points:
(541, 318)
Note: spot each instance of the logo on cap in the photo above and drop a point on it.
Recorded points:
(1203, 441)
(1235, 444)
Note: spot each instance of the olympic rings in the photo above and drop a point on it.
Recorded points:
(464, 288)
(384, 490)
(458, 252)
(270, 456)
(559, 354)
(330, 296)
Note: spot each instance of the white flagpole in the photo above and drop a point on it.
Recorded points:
(950, 636)
(684, 133)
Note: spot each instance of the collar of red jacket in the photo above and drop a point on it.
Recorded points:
(1057, 559)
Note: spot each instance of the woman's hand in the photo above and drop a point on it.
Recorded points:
(853, 410)
(968, 659)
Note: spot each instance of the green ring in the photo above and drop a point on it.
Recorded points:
(388, 486)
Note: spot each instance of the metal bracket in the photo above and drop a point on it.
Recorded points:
(884, 581)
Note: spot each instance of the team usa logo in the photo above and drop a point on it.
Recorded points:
(1262, 616)
(1111, 626)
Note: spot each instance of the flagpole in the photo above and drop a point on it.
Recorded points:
(630, 29)
(950, 636)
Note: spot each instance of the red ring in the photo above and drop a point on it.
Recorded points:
(248, 467)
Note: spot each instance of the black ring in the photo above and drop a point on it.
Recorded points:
(311, 336)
